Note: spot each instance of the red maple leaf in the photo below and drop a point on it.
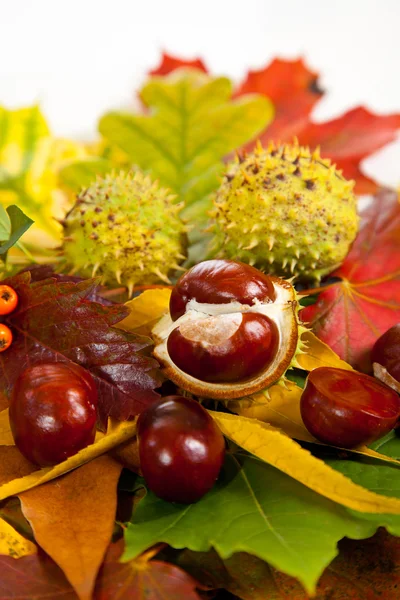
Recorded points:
(170, 63)
(347, 140)
(57, 321)
(350, 315)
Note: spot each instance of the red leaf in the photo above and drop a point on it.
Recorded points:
(350, 138)
(142, 580)
(293, 89)
(347, 140)
(170, 63)
(34, 577)
(352, 314)
(56, 321)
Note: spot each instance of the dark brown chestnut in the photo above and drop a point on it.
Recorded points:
(53, 412)
(346, 408)
(386, 351)
(224, 348)
(220, 282)
(181, 449)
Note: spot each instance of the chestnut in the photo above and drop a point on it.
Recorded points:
(346, 408)
(224, 348)
(220, 282)
(181, 449)
(53, 412)
(386, 351)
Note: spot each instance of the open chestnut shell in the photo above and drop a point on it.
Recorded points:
(231, 332)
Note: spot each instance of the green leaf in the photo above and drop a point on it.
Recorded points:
(193, 123)
(389, 444)
(252, 508)
(82, 173)
(13, 224)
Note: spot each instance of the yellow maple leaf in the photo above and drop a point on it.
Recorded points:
(146, 310)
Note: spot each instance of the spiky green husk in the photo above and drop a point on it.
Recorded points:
(285, 211)
(126, 229)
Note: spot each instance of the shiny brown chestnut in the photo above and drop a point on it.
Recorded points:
(346, 408)
(53, 412)
(224, 348)
(181, 449)
(220, 282)
(386, 351)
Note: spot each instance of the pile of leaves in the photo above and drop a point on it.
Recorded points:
(270, 527)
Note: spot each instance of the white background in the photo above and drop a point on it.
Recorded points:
(78, 58)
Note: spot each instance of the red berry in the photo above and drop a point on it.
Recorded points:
(181, 449)
(53, 412)
(6, 337)
(386, 351)
(220, 282)
(8, 299)
(347, 408)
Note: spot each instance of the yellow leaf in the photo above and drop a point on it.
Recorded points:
(6, 438)
(117, 433)
(281, 409)
(146, 310)
(319, 354)
(12, 543)
(73, 519)
(279, 450)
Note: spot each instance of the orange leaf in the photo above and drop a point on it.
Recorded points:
(73, 518)
(170, 63)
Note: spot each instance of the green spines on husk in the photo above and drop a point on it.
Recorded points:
(286, 211)
(126, 229)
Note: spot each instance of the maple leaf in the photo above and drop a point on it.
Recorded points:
(143, 579)
(56, 322)
(169, 63)
(351, 314)
(346, 140)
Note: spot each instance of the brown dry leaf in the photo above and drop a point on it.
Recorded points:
(319, 354)
(22, 475)
(276, 448)
(6, 438)
(73, 519)
(146, 310)
(12, 543)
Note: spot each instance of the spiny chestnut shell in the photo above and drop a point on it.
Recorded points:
(181, 449)
(221, 287)
(53, 412)
(346, 408)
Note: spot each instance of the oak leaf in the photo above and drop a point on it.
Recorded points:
(351, 314)
(56, 321)
(73, 519)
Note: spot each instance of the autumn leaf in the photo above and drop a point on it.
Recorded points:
(347, 140)
(143, 579)
(78, 509)
(351, 314)
(169, 63)
(13, 543)
(6, 437)
(34, 577)
(277, 449)
(145, 310)
(18, 475)
(294, 91)
(55, 321)
(252, 508)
